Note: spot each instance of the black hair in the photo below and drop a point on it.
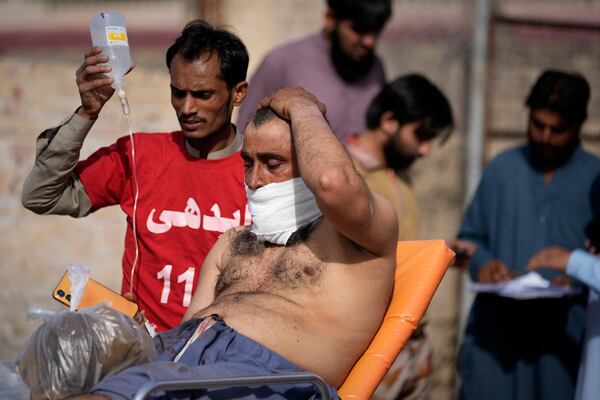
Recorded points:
(199, 37)
(366, 15)
(265, 115)
(413, 98)
(564, 93)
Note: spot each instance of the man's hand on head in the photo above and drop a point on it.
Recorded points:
(494, 271)
(287, 100)
(329, 173)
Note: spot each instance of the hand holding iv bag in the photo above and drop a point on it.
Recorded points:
(109, 33)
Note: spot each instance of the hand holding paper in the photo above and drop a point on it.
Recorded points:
(529, 286)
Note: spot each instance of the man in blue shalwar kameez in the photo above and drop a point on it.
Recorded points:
(529, 198)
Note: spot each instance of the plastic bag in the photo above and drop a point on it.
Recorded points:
(78, 275)
(12, 386)
(72, 351)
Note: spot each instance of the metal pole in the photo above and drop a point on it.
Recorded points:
(476, 126)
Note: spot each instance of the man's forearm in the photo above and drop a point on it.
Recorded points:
(321, 156)
(341, 194)
(52, 187)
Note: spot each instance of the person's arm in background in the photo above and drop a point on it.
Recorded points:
(483, 267)
(463, 250)
(52, 186)
(578, 264)
(268, 77)
(585, 267)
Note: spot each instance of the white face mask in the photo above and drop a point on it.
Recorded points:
(280, 209)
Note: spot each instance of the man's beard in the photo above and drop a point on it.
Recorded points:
(395, 159)
(349, 69)
(549, 157)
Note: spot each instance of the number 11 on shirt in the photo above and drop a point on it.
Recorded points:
(187, 277)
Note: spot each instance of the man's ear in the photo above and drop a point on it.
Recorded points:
(330, 21)
(388, 123)
(238, 93)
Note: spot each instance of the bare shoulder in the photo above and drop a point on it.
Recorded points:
(222, 246)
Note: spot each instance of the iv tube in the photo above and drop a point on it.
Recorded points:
(125, 107)
(124, 104)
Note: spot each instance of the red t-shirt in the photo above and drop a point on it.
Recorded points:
(184, 205)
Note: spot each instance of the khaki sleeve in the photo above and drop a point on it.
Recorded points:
(52, 186)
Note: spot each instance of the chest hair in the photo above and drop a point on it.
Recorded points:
(274, 268)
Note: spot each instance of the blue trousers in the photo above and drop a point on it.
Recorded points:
(219, 352)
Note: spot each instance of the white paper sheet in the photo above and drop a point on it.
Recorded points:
(529, 286)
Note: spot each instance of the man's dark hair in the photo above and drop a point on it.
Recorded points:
(413, 98)
(199, 37)
(564, 93)
(366, 15)
(265, 115)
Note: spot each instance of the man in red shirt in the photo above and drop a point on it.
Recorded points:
(179, 190)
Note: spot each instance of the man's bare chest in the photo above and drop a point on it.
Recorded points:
(274, 268)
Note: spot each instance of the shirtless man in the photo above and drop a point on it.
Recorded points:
(314, 299)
